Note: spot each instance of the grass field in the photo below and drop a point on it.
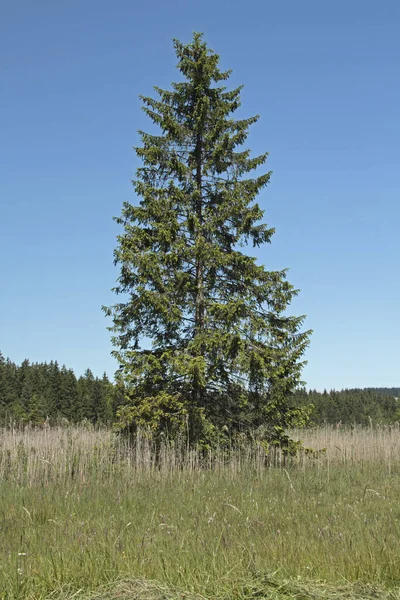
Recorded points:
(82, 515)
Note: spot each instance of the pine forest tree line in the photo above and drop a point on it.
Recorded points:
(41, 393)
(45, 392)
(352, 406)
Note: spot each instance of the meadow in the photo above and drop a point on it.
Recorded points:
(84, 514)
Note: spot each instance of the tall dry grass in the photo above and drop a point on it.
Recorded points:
(81, 507)
(354, 445)
(36, 455)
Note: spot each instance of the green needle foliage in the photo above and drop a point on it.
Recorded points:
(224, 356)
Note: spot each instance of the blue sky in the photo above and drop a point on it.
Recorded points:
(324, 76)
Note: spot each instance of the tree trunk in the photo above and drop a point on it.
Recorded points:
(199, 390)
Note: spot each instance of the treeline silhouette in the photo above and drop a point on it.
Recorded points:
(41, 393)
(45, 392)
(352, 406)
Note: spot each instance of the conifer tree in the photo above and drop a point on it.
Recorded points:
(3, 386)
(105, 408)
(53, 393)
(11, 390)
(224, 354)
(69, 397)
(87, 408)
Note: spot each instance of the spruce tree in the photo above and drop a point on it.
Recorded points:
(10, 390)
(3, 389)
(69, 397)
(53, 392)
(87, 409)
(105, 408)
(201, 335)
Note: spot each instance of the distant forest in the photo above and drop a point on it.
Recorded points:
(350, 406)
(45, 392)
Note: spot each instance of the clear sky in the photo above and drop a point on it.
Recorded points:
(324, 76)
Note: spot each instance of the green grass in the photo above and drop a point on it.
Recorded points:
(78, 512)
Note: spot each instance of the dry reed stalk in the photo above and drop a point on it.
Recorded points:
(32, 455)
